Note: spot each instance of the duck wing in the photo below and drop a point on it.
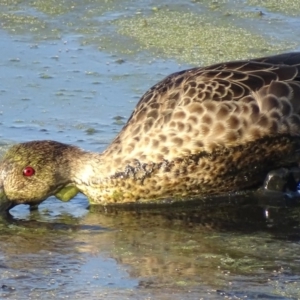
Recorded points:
(290, 59)
(225, 104)
(223, 81)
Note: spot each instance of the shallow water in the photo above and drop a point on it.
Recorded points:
(73, 71)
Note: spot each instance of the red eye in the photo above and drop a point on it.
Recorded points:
(28, 171)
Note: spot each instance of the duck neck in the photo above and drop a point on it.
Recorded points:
(82, 166)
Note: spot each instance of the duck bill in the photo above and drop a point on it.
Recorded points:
(5, 204)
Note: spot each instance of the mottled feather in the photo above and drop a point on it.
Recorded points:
(225, 104)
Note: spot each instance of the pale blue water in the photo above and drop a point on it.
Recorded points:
(68, 75)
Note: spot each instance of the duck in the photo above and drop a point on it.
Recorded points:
(199, 132)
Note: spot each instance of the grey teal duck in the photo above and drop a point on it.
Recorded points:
(203, 131)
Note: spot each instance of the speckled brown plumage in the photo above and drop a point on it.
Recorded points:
(225, 104)
(200, 131)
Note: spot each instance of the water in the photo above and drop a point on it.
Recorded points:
(73, 71)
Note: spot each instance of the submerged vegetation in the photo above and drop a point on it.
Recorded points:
(196, 39)
(199, 33)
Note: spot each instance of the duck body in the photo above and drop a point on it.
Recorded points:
(202, 131)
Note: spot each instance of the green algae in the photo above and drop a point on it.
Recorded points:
(287, 7)
(204, 32)
(67, 193)
(54, 7)
(245, 8)
(60, 7)
(20, 23)
(90, 131)
(196, 38)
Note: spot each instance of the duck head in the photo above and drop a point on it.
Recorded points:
(31, 172)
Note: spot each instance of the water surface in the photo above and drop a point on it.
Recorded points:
(73, 71)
